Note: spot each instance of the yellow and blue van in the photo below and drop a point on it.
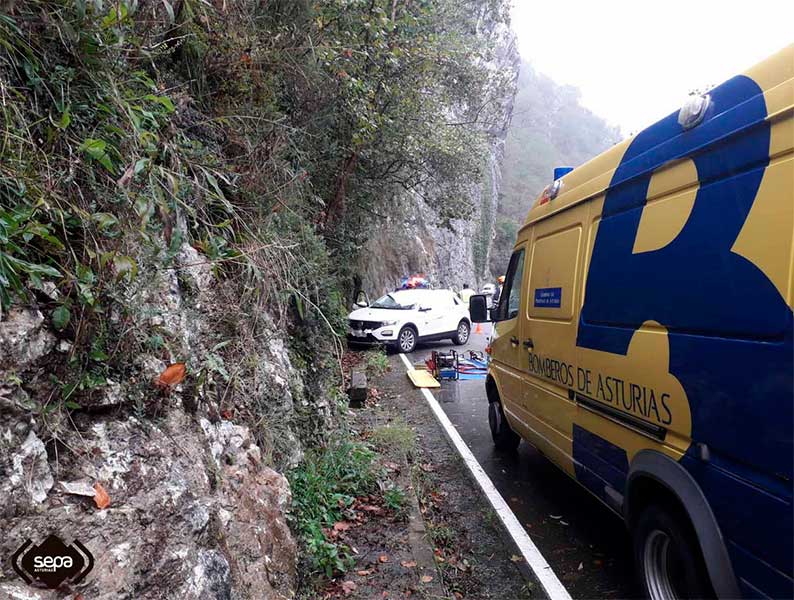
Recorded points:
(643, 340)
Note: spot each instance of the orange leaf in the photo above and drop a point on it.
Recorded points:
(173, 375)
(101, 498)
(408, 564)
(341, 526)
(383, 558)
(426, 578)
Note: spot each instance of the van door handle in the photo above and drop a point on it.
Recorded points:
(514, 341)
(528, 344)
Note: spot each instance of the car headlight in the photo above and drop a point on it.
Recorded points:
(388, 323)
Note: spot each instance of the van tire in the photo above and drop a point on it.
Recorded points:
(667, 555)
(504, 438)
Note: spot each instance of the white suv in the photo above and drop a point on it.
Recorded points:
(405, 317)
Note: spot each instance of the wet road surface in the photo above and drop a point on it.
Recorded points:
(586, 544)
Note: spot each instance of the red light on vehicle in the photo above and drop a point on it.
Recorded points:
(488, 349)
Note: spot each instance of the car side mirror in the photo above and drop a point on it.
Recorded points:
(361, 299)
(478, 309)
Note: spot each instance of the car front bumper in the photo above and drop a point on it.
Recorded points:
(384, 335)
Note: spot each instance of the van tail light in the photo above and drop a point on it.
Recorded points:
(488, 349)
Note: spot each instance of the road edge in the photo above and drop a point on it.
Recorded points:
(553, 587)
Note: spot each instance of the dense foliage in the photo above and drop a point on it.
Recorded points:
(225, 125)
(549, 129)
(264, 135)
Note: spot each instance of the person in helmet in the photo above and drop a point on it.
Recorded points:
(466, 293)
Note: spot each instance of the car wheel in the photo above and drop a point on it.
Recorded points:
(406, 340)
(462, 335)
(667, 555)
(504, 438)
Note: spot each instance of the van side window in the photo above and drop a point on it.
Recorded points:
(510, 301)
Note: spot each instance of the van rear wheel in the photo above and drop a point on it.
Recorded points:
(667, 555)
(504, 438)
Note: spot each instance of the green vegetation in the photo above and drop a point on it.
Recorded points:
(396, 439)
(394, 498)
(377, 363)
(549, 129)
(324, 486)
(324, 490)
(262, 135)
(442, 535)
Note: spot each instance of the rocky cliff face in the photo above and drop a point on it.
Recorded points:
(413, 240)
(196, 511)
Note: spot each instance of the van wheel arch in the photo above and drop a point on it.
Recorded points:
(504, 438)
(491, 389)
(654, 476)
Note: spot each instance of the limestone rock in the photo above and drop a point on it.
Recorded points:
(24, 338)
(194, 513)
(30, 470)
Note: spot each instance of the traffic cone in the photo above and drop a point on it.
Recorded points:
(478, 329)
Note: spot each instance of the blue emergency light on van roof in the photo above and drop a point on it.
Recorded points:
(560, 171)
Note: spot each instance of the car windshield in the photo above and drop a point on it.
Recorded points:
(389, 301)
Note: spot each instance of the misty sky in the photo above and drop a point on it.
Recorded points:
(635, 62)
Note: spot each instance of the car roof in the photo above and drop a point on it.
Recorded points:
(419, 295)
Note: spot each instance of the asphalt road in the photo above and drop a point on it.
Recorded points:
(586, 544)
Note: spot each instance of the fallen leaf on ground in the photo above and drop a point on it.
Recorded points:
(426, 578)
(173, 375)
(364, 572)
(383, 558)
(102, 498)
(341, 526)
(348, 587)
(408, 564)
(516, 558)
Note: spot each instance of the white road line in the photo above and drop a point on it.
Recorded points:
(551, 584)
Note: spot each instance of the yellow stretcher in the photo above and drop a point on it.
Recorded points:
(422, 378)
